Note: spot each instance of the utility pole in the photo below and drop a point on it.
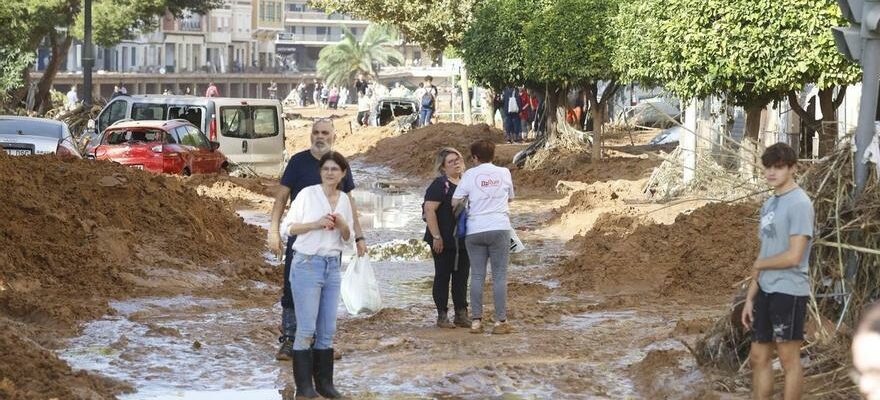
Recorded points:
(88, 57)
(860, 42)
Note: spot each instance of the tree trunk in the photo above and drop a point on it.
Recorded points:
(59, 55)
(465, 97)
(753, 121)
(598, 115)
(829, 128)
(489, 106)
(552, 100)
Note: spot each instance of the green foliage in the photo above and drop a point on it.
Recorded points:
(12, 62)
(493, 46)
(338, 64)
(752, 52)
(570, 42)
(434, 25)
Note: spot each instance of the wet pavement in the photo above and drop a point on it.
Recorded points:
(188, 347)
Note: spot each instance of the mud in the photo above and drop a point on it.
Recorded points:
(611, 315)
(704, 253)
(77, 234)
(412, 154)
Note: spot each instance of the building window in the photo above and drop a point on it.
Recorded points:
(322, 30)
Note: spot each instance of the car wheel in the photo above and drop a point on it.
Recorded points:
(185, 172)
(224, 169)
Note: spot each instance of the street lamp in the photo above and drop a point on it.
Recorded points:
(88, 58)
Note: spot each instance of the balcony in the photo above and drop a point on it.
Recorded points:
(321, 19)
(307, 38)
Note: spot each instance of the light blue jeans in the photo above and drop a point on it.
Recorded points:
(316, 282)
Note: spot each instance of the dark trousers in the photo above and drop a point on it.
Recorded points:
(444, 271)
(288, 313)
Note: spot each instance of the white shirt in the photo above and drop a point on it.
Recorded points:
(310, 205)
(364, 103)
(488, 189)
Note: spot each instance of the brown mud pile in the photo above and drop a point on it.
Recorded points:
(703, 253)
(351, 139)
(568, 165)
(412, 154)
(77, 234)
(237, 192)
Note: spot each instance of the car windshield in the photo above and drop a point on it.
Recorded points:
(133, 136)
(27, 127)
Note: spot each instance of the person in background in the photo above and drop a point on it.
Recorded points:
(365, 101)
(488, 190)
(866, 353)
(187, 91)
(325, 96)
(524, 114)
(776, 302)
(122, 89)
(321, 218)
(449, 252)
(360, 85)
(116, 92)
(333, 99)
(316, 94)
(343, 97)
(510, 108)
(212, 91)
(427, 101)
(301, 92)
(273, 90)
(72, 98)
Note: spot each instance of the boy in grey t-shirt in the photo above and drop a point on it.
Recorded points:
(776, 303)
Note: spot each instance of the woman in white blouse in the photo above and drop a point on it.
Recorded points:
(321, 218)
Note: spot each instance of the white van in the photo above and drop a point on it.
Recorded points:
(250, 131)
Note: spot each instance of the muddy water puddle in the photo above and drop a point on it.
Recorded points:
(216, 348)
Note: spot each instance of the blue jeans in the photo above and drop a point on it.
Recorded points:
(512, 130)
(316, 284)
(425, 115)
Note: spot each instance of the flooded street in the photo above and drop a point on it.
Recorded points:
(565, 345)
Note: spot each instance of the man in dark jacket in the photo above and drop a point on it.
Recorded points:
(511, 104)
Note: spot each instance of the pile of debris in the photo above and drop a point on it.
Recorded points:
(710, 180)
(844, 229)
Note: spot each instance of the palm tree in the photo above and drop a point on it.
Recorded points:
(338, 64)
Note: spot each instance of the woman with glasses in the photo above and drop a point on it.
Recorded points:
(321, 218)
(450, 255)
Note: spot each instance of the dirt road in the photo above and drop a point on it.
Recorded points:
(598, 316)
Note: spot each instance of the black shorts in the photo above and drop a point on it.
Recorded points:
(778, 317)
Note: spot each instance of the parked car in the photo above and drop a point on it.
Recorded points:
(393, 107)
(250, 131)
(21, 136)
(171, 147)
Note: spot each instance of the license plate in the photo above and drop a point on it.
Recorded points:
(19, 152)
(137, 166)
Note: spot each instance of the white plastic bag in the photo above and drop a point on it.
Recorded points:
(360, 290)
(516, 245)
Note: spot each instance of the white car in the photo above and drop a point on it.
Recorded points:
(23, 136)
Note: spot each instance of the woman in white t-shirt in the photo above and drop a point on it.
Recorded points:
(321, 218)
(488, 189)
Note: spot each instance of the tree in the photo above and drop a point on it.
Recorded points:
(338, 64)
(58, 22)
(492, 46)
(570, 44)
(434, 25)
(750, 52)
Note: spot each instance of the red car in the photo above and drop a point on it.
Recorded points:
(171, 147)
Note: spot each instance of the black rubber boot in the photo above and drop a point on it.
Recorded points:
(302, 374)
(324, 374)
(461, 318)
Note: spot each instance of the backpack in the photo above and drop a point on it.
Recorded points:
(428, 98)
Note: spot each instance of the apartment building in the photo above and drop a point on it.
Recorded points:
(240, 36)
(307, 30)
